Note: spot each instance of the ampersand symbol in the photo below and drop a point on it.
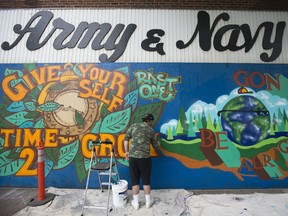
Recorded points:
(152, 39)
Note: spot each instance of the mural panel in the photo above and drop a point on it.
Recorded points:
(220, 125)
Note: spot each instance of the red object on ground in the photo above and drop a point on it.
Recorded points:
(41, 171)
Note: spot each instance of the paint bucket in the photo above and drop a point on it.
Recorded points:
(120, 193)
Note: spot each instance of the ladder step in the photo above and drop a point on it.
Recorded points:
(107, 174)
(102, 166)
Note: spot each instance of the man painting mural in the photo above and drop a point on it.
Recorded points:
(141, 135)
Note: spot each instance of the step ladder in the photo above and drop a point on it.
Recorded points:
(107, 168)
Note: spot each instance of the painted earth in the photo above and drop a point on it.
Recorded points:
(246, 120)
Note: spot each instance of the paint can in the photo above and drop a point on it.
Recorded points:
(120, 193)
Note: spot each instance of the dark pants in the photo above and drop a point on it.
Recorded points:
(140, 167)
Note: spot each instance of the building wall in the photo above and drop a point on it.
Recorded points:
(279, 5)
(219, 97)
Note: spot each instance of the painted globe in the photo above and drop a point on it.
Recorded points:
(246, 120)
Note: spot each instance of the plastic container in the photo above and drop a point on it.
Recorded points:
(120, 193)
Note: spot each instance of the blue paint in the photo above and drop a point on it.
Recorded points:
(200, 81)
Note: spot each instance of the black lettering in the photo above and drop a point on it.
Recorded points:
(205, 36)
(151, 39)
(204, 30)
(33, 41)
(121, 46)
(67, 29)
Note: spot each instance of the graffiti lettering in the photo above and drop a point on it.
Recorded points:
(237, 31)
(102, 150)
(31, 137)
(213, 144)
(29, 81)
(30, 156)
(67, 29)
(256, 79)
(107, 82)
(99, 85)
(156, 86)
(283, 146)
(209, 138)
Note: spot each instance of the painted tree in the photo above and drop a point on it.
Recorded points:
(274, 123)
(286, 125)
(281, 121)
(217, 125)
(204, 120)
(272, 131)
(174, 132)
(285, 115)
(183, 120)
(210, 123)
(169, 133)
(191, 130)
(199, 122)
(179, 128)
(285, 119)
(195, 123)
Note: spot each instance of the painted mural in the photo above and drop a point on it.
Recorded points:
(220, 125)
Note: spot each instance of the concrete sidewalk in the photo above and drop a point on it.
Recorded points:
(168, 202)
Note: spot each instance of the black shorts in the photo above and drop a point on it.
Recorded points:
(140, 167)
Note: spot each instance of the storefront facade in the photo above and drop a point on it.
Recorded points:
(216, 83)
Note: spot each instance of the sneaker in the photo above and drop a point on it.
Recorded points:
(135, 205)
(149, 204)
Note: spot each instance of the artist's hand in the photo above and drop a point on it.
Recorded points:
(127, 155)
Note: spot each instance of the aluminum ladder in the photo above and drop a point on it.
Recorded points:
(103, 169)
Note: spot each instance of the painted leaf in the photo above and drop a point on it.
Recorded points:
(14, 153)
(30, 106)
(104, 110)
(79, 119)
(3, 123)
(16, 107)
(124, 70)
(96, 128)
(87, 163)
(1, 142)
(132, 85)
(53, 154)
(67, 154)
(131, 99)
(116, 122)
(3, 108)
(80, 166)
(34, 94)
(9, 72)
(40, 123)
(30, 66)
(48, 167)
(57, 87)
(77, 70)
(27, 124)
(13, 83)
(155, 109)
(9, 167)
(17, 118)
(49, 107)
(32, 115)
